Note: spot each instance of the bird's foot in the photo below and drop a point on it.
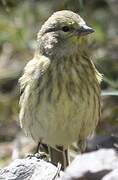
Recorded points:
(30, 156)
(40, 155)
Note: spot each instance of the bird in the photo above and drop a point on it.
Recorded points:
(60, 87)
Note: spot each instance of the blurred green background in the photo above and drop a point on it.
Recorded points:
(20, 20)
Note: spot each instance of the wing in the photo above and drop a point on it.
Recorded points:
(34, 69)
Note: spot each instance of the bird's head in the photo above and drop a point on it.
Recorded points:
(61, 33)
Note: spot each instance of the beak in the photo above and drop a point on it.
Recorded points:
(84, 30)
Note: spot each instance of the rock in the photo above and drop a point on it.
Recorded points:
(97, 165)
(28, 168)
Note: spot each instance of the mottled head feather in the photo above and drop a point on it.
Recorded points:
(62, 18)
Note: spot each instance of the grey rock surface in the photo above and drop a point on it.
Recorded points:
(97, 165)
(28, 169)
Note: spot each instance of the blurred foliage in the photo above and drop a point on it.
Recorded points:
(20, 20)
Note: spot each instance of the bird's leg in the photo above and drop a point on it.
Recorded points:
(41, 152)
(36, 152)
(59, 155)
(38, 147)
(42, 147)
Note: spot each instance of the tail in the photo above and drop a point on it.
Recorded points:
(59, 155)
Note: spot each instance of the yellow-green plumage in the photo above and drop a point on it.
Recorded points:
(60, 102)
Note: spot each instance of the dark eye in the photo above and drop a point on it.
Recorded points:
(65, 28)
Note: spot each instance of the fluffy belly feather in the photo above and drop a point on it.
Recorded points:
(61, 122)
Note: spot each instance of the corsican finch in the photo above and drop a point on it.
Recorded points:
(60, 100)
